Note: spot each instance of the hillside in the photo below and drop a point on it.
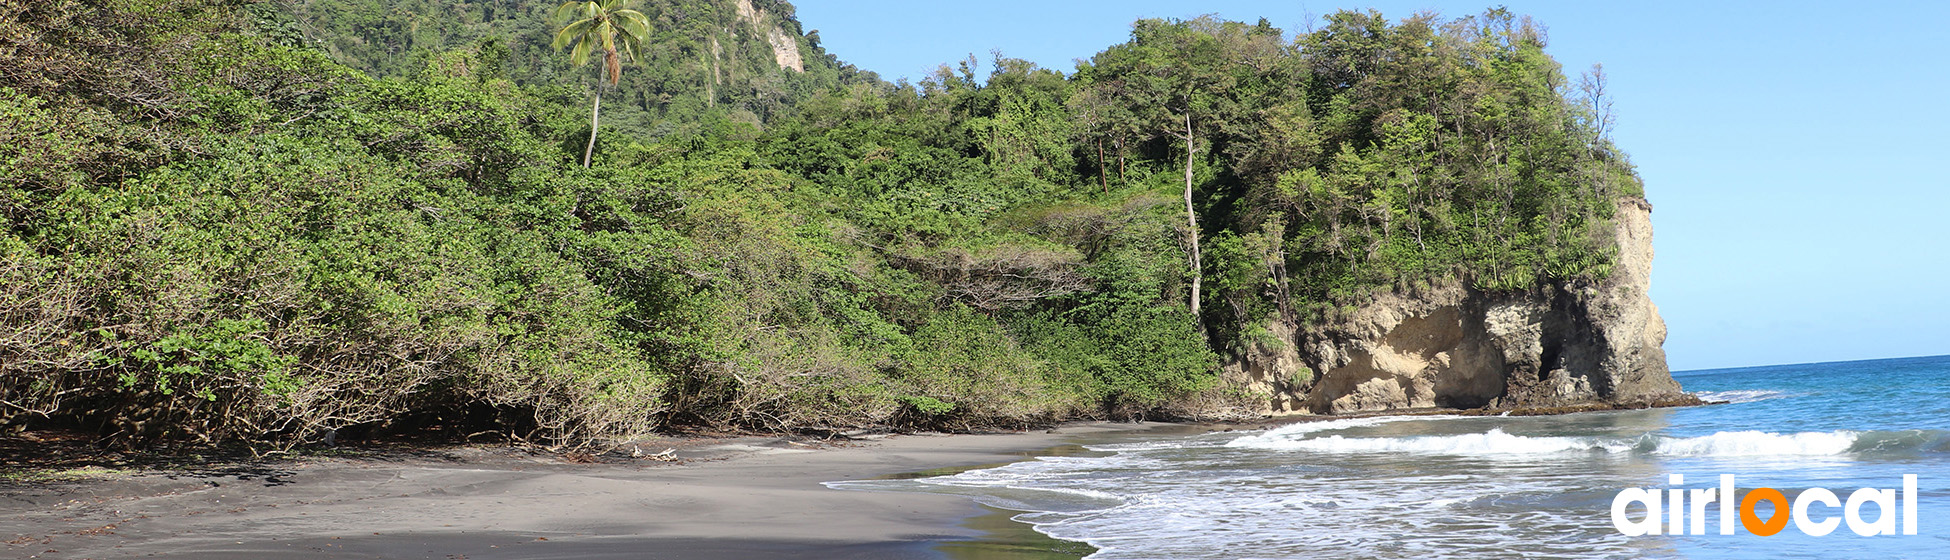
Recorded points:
(742, 60)
(225, 225)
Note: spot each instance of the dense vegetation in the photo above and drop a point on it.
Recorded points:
(702, 62)
(229, 220)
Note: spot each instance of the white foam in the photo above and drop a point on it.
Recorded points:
(1166, 503)
(1496, 442)
(1754, 443)
(1145, 445)
(1012, 481)
(1350, 489)
(1291, 431)
(1737, 397)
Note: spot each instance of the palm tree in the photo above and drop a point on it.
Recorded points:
(608, 26)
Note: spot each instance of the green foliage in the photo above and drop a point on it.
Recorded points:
(217, 232)
(228, 349)
(964, 371)
(1134, 360)
(1423, 150)
(1494, 182)
(608, 26)
(700, 62)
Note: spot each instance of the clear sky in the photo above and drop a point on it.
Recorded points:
(1797, 154)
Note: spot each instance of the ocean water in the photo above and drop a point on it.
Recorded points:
(1502, 487)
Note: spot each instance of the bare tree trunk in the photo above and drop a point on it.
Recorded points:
(1103, 174)
(595, 116)
(1286, 294)
(1120, 162)
(1191, 220)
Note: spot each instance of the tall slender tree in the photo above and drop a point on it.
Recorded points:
(1177, 80)
(607, 26)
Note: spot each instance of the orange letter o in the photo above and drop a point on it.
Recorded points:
(1751, 521)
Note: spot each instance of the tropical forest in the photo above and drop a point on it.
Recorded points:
(278, 222)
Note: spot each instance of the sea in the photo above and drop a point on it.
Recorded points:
(1503, 487)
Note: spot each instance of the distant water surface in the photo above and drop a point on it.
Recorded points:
(1499, 487)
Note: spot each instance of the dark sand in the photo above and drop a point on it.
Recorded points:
(727, 498)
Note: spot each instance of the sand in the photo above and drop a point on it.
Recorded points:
(726, 498)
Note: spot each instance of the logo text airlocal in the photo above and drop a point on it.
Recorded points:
(1678, 506)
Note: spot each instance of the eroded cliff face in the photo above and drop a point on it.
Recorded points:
(785, 48)
(1567, 344)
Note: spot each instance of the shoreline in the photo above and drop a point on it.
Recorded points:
(745, 497)
(704, 498)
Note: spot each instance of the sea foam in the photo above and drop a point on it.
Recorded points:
(1274, 438)
(1742, 396)
(1758, 444)
(1496, 442)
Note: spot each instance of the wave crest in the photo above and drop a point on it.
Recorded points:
(1738, 397)
(1271, 439)
(1496, 442)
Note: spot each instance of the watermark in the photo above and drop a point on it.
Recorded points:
(1676, 510)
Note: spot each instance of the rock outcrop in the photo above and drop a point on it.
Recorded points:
(1565, 345)
(785, 47)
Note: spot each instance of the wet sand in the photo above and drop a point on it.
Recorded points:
(725, 498)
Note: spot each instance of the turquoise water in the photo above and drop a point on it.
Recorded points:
(1498, 487)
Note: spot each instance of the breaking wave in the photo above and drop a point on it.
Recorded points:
(1272, 439)
(1738, 397)
(1496, 442)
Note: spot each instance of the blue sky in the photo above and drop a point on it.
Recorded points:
(1797, 154)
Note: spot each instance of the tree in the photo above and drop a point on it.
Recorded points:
(1180, 80)
(608, 25)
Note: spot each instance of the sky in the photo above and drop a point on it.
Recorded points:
(1797, 154)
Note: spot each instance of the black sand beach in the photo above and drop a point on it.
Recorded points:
(725, 498)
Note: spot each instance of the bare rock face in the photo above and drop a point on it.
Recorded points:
(1435, 349)
(1568, 344)
(1275, 371)
(785, 48)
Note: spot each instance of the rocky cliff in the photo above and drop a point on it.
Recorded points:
(1564, 345)
(785, 45)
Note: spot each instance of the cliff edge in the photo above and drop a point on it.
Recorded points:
(1569, 345)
